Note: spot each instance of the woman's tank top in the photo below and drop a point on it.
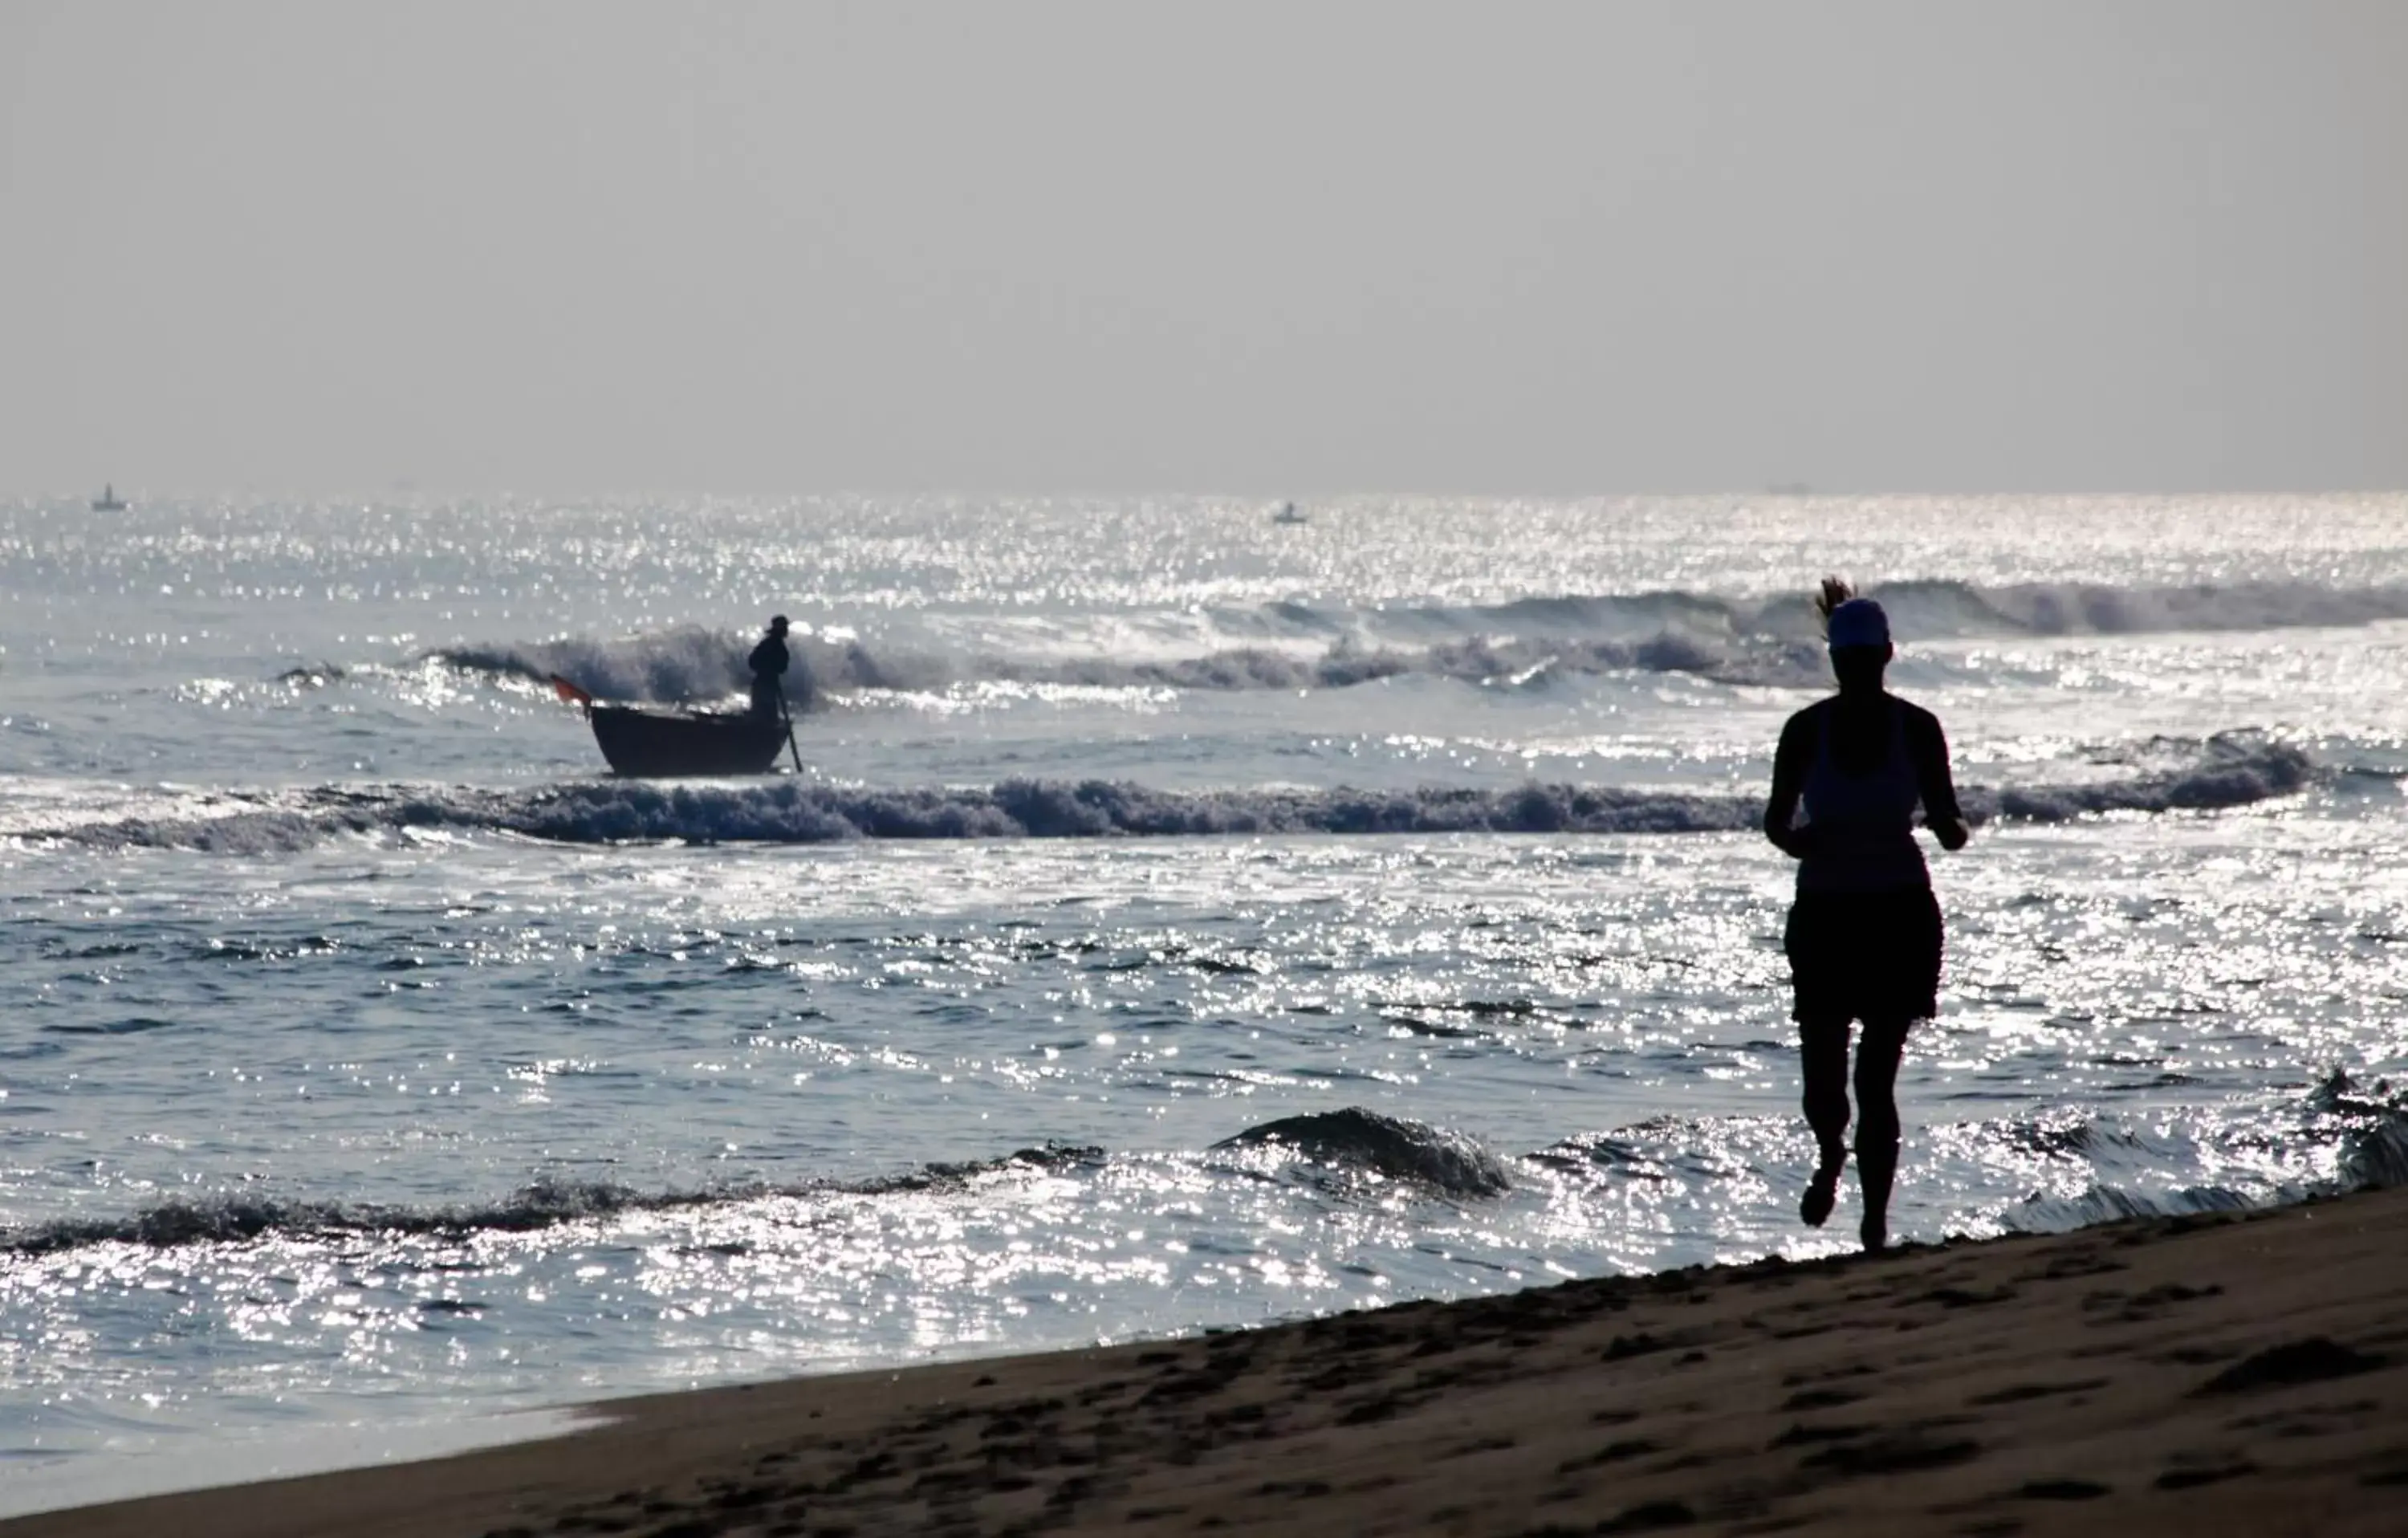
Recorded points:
(1864, 823)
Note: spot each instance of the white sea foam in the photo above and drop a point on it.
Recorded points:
(1298, 645)
(2229, 770)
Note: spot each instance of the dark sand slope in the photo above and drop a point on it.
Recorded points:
(2231, 1374)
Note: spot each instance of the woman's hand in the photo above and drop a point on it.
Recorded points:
(1796, 842)
(1952, 832)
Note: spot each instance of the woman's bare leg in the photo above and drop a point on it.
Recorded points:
(1823, 1053)
(1877, 1124)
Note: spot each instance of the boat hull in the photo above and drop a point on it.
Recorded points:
(658, 745)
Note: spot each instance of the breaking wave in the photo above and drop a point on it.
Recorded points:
(686, 663)
(1918, 609)
(1351, 1141)
(2231, 771)
(546, 1204)
(692, 664)
(2074, 609)
(1335, 1152)
(1294, 645)
(2364, 1129)
(1356, 1141)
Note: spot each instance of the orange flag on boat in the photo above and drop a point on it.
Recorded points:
(570, 693)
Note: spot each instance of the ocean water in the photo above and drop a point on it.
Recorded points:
(1183, 920)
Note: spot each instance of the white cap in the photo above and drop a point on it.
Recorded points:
(1858, 622)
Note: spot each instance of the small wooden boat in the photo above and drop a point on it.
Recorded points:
(666, 744)
(108, 501)
(658, 744)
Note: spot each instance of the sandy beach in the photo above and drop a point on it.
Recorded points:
(2241, 1373)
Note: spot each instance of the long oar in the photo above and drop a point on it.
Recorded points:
(788, 718)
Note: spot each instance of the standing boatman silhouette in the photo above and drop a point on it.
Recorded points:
(1864, 934)
(769, 662)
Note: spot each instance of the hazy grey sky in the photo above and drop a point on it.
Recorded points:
(1284, 247)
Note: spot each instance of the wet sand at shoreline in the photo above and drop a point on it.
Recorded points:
(2229, 1373)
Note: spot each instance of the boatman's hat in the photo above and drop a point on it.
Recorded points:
(778, 623)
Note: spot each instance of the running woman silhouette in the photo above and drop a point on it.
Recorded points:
(1864, 934)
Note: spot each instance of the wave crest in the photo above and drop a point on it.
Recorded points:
(1300, 645)
(542, 1205)
(1358, 1142)
(2231, 770)
(690, 664)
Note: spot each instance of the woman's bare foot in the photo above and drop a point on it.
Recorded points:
(1822, 1193)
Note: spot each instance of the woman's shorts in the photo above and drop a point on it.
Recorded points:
(1864, 955)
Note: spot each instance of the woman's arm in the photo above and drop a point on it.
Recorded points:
(1789, 762)
(1928, 745)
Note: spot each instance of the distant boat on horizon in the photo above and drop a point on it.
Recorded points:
(1287, 514)
(108, 501)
